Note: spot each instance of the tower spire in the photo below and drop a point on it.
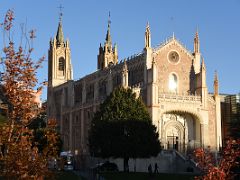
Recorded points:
(147, 36)
(108, 36)
(59, 36)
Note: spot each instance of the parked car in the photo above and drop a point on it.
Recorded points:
(66, 161)
(107, 166)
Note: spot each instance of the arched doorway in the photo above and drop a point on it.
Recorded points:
(173, 134)
(180, 131)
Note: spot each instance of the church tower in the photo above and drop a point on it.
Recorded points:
(59, 59)
(108, 55)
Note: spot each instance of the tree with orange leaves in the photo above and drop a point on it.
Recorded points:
(222, 169)
(19, 155)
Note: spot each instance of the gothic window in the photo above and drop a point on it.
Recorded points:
(90, 92)
(66, 96)
(77, 136)
(116, 80)
(61, 66)
(78, 93)
(76, 120)
(102, 88)
(173, 83)
(136, 75)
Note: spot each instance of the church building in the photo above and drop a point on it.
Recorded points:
(170, 79)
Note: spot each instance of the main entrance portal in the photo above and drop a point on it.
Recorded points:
(180, 131)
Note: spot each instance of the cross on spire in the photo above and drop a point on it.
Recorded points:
(109, 21)
(60, 12)
(59, 36)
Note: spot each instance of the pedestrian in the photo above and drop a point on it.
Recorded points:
(150, 169)
(156, 168)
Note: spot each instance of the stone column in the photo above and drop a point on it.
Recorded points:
(218, 123)
(96, 91)
(84, 92)
(82, 128)
(204, 135)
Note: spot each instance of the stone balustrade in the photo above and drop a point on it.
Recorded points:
(178, 98)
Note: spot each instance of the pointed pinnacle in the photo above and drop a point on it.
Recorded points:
(215, 76)
(59, 36)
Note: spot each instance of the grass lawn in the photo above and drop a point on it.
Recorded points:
(62, 175)
(65, 175)
(145, 176)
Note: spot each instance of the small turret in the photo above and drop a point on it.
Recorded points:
(196, 43)
(125, 75)
(148, 50)
(115, 53)
(100, 49)
(216, 87)
(203, 85)
(203, 67)
(196, 53)
(203, 74)
(147, 36)
(115, 49)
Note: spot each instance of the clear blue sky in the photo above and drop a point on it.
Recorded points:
(85, 24)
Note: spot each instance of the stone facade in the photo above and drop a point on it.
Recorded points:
(170, 79)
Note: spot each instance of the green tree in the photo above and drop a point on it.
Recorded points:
(123, 128)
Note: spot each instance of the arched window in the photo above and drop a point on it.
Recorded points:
(173, 82)
(61, 63)
(61, 66)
